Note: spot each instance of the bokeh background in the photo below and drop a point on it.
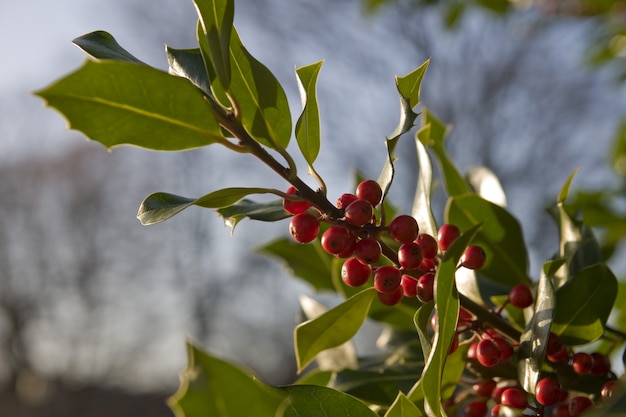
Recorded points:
(95, 308)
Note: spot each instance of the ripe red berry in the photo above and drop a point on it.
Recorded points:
(487, 352)
(514, 397)
(369, 190)
(495, 411)
(578, 405)
(473, 257)
(485, 388)
(387, 279)
(355, 273)
(391, 298)
(561, 410)
(608, 389)
(403, 228)
(555, 350)
(601, 364)
(368, 250)
(304, 227)
(426, 287)
(410, 255)
(476, 408)
(582, 363)
(446, 235)
(428, 264)
(409, 285)
(295, 207)
(359, 212)
(521, 296)
(345, 200)
(548, 391)
(506, 349)
(336, 239)
(428, 244)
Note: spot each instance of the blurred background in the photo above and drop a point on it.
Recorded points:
(95, 309)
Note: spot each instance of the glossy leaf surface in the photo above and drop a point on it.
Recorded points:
(403, 407)
(422, 210)
(316, 401)
(188, 63)
(308, 124)
(102, 45)
(266, 212)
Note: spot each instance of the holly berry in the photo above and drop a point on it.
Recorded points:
(304, 227)
(578, 405)
(428, 264)
(495, 411)
(295, 207)
(369, 190)
(608, 389)
(387, 279)
(409, 285)
(514, 397)
(506, 349)
(601, 364)
(344, 200)
(354, 273)
(368, 250)
(520, 296)
(391, 298)
(473, 257)
(487, 352)
(548, 391)
(403, 228)
(485, 388)
(428, 244)
(410, 255)
(582, 363)
(336, 239)
(476, 408)
(426, 287)
(359, 212)
(555, 350)
(561, 411)
(446, 235)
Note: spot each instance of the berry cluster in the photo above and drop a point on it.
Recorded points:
(359, 239)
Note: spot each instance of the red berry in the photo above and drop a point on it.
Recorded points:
(368, 250)
(465, 317)
(295, 207)
(582, 363)
(369, 190)
(555, 350)
(454, 345)
(428, 264)
(336, 239)
(359, 212)
(428, 244)
(446, 235)
(485, 388)
(426, 287)
(345, 200)
(403, 228)
(487, 352)
(608, 389)
(355, 273)
(601, 364)
(514, 397)
(473, 257)
(304, 227)
(410, 255)
(387, 279)
(495, 411)
(476, 408)
(348, 251)
(521, 296)
(578, 405)
(561, 411)
(496, 395)
(548, 391)
(391, 298)
(506, 349)
(409, 285)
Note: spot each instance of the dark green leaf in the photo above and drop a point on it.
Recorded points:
(403, 407)
(212, 387)
(188, 63)
(117, 103)
(216, 21)
(308, 262)
(262, 101)
(316, 401)
(102, 45)
(500, 237)
(266, 212)
(308, 125)
(332, 328)
(422, 210)
(218, 91)
(229, 196)
(583, 305)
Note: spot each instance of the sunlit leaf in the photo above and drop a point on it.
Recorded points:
(422, 210)
(217, 90)
(332, 328)
(565, 189)
(266, 212)
(316, 401)
(487, 185)
(102, 45)
(422, 324)
(583, 305)
(308, 124)
(123, 103)
(188, 63)
(403, 407)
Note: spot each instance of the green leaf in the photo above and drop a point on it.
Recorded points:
(262, 101)
(316, 401)
(188, 63)
(500, 237)
(583, 305)
(102, 45)
(422, 210)
(158, 207)
(212, 387)
(565, 189)
(122, 103)
(403, 407)
(216, 21)
(266, 212)
(486, 184)
(217, 90)
(332, 328)
(433, 133)
(409, 86)
(308, 124)
(422, 324)
(533, 342)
